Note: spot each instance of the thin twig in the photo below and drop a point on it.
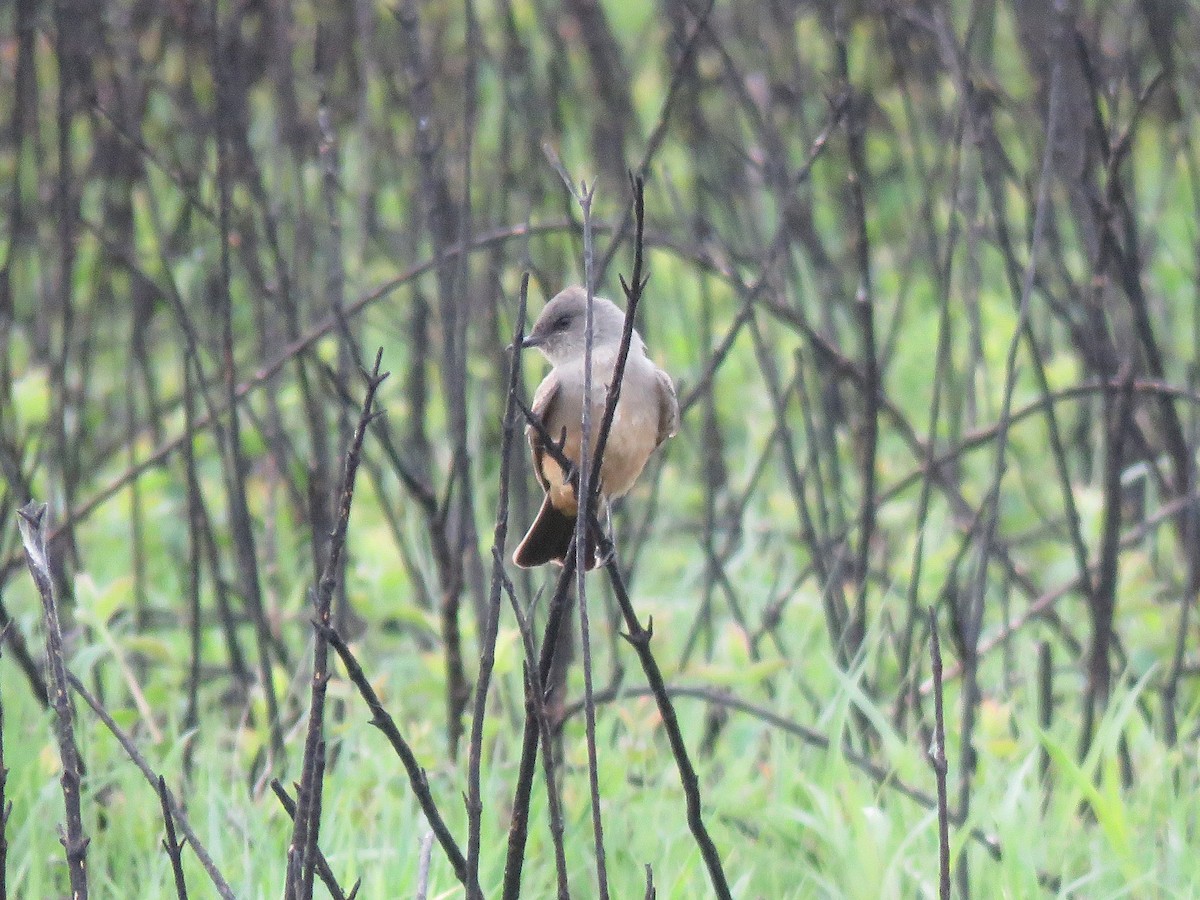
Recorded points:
(1045, 708)
(5, 803)
(323, 869)
(941, 376)
(487, 653)
(446, 222)
(972, 615)
(233, 464)
(864, 307)
(31, 521)
(535, 708)
(1118, 408)
(423, 865)
(633, 294)
(583, 196)
(937, 758)
(171, 843)
(639, 639)
(659, 131)
(314, 814)
(309, 794)
(518, 828)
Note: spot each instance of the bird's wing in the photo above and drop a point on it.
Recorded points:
(668, 407)
(544, 402)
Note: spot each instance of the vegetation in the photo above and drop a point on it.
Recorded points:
(925, 276)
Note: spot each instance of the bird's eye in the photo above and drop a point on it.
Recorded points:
(561, 323)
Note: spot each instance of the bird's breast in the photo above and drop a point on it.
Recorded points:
(631, 439)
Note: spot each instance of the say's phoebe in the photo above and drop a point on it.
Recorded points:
(646, 415)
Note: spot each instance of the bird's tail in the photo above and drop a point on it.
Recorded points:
(549, 538)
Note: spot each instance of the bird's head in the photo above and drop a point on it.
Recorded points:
(559, 330)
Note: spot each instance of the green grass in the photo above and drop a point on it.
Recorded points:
(790, 820)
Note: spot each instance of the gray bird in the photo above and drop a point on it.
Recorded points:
(646, 415)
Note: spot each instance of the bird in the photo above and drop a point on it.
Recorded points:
(647, 414)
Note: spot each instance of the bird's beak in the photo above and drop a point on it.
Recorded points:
(532, 340)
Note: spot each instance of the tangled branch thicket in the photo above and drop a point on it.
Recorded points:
(925, 275)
